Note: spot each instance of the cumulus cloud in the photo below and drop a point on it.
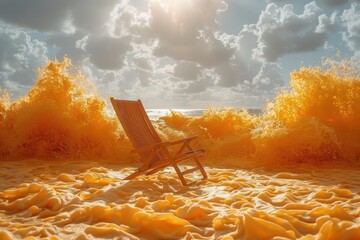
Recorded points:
(66, 23)
(126, 20)
(335, 3)
(61, 44)
(269, 76)
(170, 50)
(179, 22)
(191, 88)
(185, 31)
(327, 24)
(54, 16)
(89, 15)
(230, 74)
(42, 15)
(351, 20)
(241, 67)
(164, 50)
(188, 78)
(20, 56)
(205, 50)
(107, 52)
(187, 71)
(181, 30)
(281, 31)
(144, 65)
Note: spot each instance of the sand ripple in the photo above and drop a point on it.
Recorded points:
(87, 200)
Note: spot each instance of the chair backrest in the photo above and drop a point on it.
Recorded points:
(135, 122)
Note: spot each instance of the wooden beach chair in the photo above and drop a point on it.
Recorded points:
(155, 154)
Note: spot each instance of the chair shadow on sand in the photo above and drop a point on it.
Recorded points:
(153, 189)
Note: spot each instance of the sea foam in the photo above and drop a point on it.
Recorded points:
(314, 121)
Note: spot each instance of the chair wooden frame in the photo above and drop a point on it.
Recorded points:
(154, 153)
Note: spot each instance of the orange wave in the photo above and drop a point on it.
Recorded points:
(59, 117)
(314, 121)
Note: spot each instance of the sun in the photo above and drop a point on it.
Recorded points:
(178, 9)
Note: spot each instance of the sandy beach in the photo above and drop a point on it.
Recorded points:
(88, 200)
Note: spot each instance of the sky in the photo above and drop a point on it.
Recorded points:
(176, 53)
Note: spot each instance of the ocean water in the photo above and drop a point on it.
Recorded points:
(155, 114)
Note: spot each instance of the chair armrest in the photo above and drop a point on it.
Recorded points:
(189, 139)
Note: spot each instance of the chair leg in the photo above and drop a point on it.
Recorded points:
(177, 169)
(155, 170)
(134, 175)
(187, 145)
(201, 168)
